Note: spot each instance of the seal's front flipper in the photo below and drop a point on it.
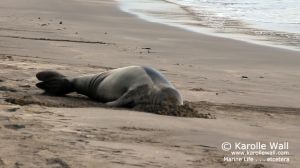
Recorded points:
(48, 75)
(124, 101)
(132, 97)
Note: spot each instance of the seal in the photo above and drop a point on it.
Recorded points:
(123, 87)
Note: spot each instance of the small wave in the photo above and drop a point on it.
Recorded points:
(201, 19)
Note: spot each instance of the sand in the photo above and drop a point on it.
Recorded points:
(250, 92)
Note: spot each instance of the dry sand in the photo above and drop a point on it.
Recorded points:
(82, 37)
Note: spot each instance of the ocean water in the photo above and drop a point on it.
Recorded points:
(267, 22)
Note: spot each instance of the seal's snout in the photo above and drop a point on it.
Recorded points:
(169, 96)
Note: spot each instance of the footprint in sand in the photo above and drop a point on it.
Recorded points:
(57, 162)
(14, 126)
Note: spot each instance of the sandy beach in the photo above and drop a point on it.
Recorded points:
(251, 90)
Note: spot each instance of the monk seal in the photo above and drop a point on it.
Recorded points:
(123, 87)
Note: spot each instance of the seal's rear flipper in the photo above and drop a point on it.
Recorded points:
(48, 75)
(59, 86)
(54, 83)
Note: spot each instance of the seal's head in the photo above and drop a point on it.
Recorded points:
(166, 96)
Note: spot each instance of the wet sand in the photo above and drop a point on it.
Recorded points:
(253, 91)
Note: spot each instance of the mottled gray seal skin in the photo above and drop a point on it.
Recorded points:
(122, 87)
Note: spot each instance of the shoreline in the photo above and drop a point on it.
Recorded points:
(267, 38)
